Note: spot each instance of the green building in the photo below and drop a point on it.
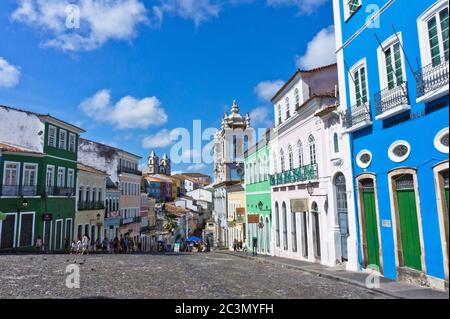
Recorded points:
(38, 172)
(258, 199)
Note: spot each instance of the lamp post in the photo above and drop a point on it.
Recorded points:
(310, 188)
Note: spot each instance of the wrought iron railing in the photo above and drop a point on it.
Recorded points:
(432, 77)
(130, 220)
(300, 174)
(357, 114)
(388, 99)
(18, 190)
(90, 205)
(60, 191)
(129, 170)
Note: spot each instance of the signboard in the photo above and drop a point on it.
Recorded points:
(299, 205)
(47, 217)
(240, 211)
(386, 223)
(253, 219)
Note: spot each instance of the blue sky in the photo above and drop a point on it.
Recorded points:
(135, 70)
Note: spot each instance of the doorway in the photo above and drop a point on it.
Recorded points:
(342, 210)
(316, 230)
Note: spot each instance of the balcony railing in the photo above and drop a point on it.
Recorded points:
(297, 175)
(90, 205)
(357, 117)
(60, 191)
(18, 190)
(388, 100)
(129, 170)
(130, 220)
(431, 78)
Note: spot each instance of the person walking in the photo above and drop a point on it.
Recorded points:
(73, 247)
(85, 244)
(121, 244)
(105, 244)
(66, 245)
(79, 246)
(38, 245)
(235, 245)
(125, 245)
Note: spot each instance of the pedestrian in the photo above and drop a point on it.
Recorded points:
(121, 244)
(66, 245)
(92, 245)
(240, 245)
(131, 245)
(105, 244)
(255, 246)
(38, 245)
(244, 247)
(85, 244)
(235, 243)
(79, 246)
(116, 245)
(125, 245)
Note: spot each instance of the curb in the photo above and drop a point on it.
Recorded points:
(313, 272)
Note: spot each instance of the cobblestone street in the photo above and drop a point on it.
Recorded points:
(210, 276)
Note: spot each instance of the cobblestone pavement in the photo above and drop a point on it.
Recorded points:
(211, 276)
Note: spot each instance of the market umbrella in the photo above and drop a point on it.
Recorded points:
(193, 238)
(2, 215)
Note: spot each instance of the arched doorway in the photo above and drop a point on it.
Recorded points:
(316, 229)
(285, 235)
(342, 211)
(277, 224)
(267, 228)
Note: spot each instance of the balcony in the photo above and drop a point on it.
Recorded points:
(390, 102)
(357, 118)
(130, 220)
(60, 191)
(297, 175)
(18, 190)
(129, 170)
(432, 81)
(90, 205)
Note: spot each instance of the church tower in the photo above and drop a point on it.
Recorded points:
(153, 164)
(164, 167)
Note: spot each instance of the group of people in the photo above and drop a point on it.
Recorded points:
(239, 245)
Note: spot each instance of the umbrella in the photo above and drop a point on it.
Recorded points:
(193, 238)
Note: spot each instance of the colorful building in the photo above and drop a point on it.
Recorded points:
(236, 222)
(393, 78)
(258, 199)
(38, 174)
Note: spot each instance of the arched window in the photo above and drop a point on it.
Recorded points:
(301, 161)
(297, 98)
(291, 158)
(336, 142)
(312, 150)
(277, 224)
(267, 240)
(342, 209)
(288, 108)
(285, 236)
(283, 168)
(279, 114)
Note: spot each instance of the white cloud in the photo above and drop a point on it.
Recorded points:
(127, 113)
(161, 139)
(99, 21)
(321, 50)
(196, 167)
(265, 90)
(196, 10)
(9, 74)
(260, 117)
(304, 6)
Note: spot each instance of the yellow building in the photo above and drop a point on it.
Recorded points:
(235, 212)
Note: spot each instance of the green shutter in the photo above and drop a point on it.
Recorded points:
(389, 69)
(357, 88)
(363, 85)
(371, 229)
(409, 229)
(443, 15)
(398, 64)
(434, 41)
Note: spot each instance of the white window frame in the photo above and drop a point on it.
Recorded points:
(396, 158)
(17, 173)
(15, 229)
(63, 169)
(62, 233)
(361, 164)
(36, 168)
(437, 141)
(62, 133)
(32, 229)
(422, 27)
(71, 171)
(71, 229)
(382, 68)
(72, 147)
(351, 78)
(46, 175)
(347, 14)
(50, 128)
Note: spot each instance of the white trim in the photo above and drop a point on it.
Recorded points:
(49, 135)
(351, 78)
(15, 230)
(32, 229)
(437, 141)
(60, 158)
(46, 172)
(73, 178)
(358, 160)
(18, 171)
(65, 139)
(62, 231)
(49, 246)
(71, 229)
(75, 143)
(36, 165)
(62, 169)
(396, 158)
(347, 14)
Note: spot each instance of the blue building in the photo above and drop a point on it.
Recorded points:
(393, 73)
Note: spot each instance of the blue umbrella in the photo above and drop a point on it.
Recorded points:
(194, 238)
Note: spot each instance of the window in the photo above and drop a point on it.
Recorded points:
(336, 143)
(277, 224)
(393, 64)
(61, 177)
(279, 114)
(288, 109)
(11, 179)
(350, 7)
(441, 141)
(360, 86)
(399, 151)
(312, 150)
(88, 195)
(364, 159)
(52, 136)
(26, 229)
(30, 174)
(285, 235)
(274, 161)
(70, 178)
(300, 153)
(283, 168)
(50, 177)
(297, 98)
(62, 139)
(294, 231)
(291, 158)
(72, 142)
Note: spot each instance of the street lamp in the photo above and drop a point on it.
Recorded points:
(310, 188)
(260, 205)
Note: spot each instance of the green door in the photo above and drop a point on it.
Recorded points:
(409, 228)
(371, 230)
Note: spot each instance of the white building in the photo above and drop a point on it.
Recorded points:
(313, 211)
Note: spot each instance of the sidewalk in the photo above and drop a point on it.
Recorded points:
(388, 287)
